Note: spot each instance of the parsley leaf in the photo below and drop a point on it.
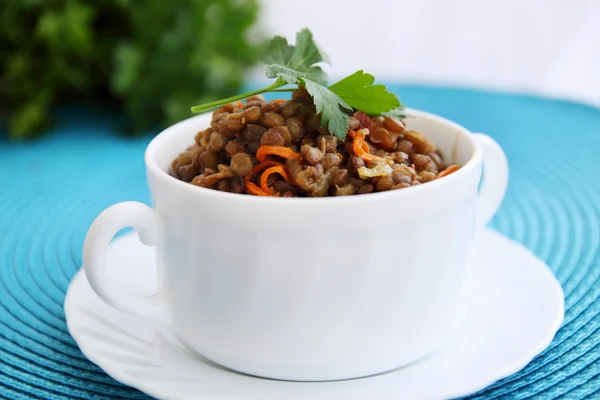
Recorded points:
(286, 61)
(316, 74)
(307, 52)
(329, 104)
(278, 51)
(295, 65)
(287, 74)
(358, 90)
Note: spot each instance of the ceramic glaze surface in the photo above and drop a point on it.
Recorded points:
(308, 289)
(516, 308)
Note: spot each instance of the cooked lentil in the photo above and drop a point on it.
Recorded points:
(279, 148)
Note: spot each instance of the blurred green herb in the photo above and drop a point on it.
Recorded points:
(149, 57)
(295, 65)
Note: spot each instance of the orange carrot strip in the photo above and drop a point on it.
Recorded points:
(263, 165)
(278, 169)
(280, 101)
(361, 149)
(447, 171)
(281, 151)
(340, 156)
(252, 188)
(239, 104)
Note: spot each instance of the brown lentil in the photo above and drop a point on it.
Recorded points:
(437, 159)
(234, 147)
(272, 138)
(223, 185)
(356, 162)
(283, 186)
(285, 133)
(271, 107)
(331, 160)
(325, 166)
(253, 146)
(271, 120)
(302, 96)
(393, 125)
(237, 185)
(217, 142)
(384, 183)
(208, 159)
(425, 176)
(218, 117)
(339, 178)
(313, 124)
(400, 157)
(366, 188)
(290, 108)
(401, 186)
(401, 177)
(235, 121)
(228, 108)
(252, 114)
(311, 155)
(405, 146)
(253, 133)
(423, 162)
(346, 190)
(383, 138)
(188, 172)
(241, 164)
(331, 142)
(296, 128)
(304, 113)
(422, 143)
(256, 97)
(255, 103)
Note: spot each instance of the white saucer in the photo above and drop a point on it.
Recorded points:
(517, 307)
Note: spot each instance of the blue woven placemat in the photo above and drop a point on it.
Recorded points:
(52, 189)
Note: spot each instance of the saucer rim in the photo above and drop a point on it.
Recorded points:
(465, 391)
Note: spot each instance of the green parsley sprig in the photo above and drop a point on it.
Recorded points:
(296, 65)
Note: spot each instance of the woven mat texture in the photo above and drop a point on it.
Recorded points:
(51, 190)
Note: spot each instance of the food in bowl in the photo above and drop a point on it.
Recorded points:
(279, 148)
(344, 139)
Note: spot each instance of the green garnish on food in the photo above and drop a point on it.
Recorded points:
(296, 65)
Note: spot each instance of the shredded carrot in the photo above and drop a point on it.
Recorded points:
(361, 148)
(252, 188)
(281, 151)
(447, 171)
(340, 156)
(365, 147)
(263, 165)
(280, 101)
(239, 104)
(277, 169)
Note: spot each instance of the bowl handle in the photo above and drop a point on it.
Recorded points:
(494, 180)
(122, 215)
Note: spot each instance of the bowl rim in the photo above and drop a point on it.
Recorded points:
(158, 141)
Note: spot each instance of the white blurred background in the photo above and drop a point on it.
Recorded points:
(547, 47)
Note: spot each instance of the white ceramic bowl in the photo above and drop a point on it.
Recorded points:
(307, 288)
